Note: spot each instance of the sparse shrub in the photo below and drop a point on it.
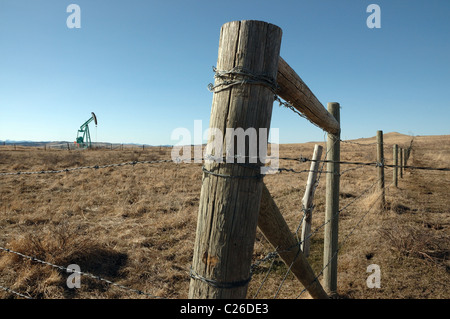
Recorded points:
(419, 242)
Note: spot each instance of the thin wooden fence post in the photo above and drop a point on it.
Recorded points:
(332, 206)
(395, 163)
(405, 158)
(230, 196)
(402, 152)
(407, 152)
(380, 166)
(307, 200)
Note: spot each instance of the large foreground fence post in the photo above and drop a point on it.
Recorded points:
(332, 206)
(231, 192)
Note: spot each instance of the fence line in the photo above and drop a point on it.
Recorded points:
(348, 235)
(178, 161)
(275, 253)
(270, 256)
(376, 164)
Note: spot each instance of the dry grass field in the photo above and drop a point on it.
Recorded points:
(135, 225)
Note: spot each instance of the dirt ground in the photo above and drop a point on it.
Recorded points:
(135, 224)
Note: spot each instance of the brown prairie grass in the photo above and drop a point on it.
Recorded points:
(135, 225)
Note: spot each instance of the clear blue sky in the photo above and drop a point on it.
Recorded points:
(143, 66)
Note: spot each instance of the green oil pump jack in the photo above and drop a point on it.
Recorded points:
(83, 136)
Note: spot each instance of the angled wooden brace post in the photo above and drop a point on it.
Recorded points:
(277, 232)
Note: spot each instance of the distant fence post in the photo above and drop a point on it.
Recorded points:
(395, 163)
(231, 194)
(405, 157)
(332, 206)
(402, 158)
(380, 165)
(307, 199)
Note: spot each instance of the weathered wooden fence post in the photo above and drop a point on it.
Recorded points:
(405, 156)
(231, 193)
(395, 163)
(307, 200)
(380, 165)
(402, 152)
(332, 206)
(407, 152)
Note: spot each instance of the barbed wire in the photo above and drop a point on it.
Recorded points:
(271, 255)
(343, 242)
(35, 259)
(65, 170)
(239, 76)
(14, 292)
(179, 160)
(293, 109)
(274, 254)
(356, 143)
(376, 164)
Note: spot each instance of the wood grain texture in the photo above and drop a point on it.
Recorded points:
(307, 200)
(228, 209)
(332, 206)
(293, 90)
